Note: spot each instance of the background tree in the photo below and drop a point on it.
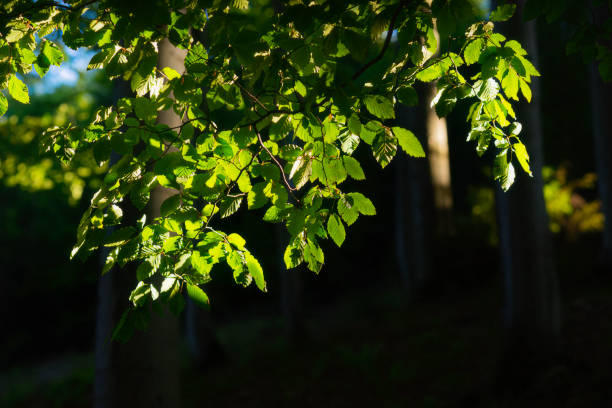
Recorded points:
(471, 257)
(533, 314)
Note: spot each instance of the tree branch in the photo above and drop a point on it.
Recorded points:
(43, 5)
(288, 186)
(385, 45)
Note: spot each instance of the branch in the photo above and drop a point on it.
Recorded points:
(385, 45)
(43, 5)
(228, 190)
(250, 95)
(288, 186)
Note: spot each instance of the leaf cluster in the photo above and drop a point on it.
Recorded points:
(275, 99)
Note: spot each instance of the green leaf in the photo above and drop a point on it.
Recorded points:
(354, 125)
(510, 84)
(229, 206)
(256, 197)
(503, 12)
(336, 229)
(293, 255)
(255, 271)
(198, 296)
(486, 90)
(379, 106)
(472, 51)
(408, 96)
(170, 205)
(508, 179)
(236, 240)
(237, 262)
(347, 210)
(435, 70)
(369, 131)
(145, 110)
(384, 148)
(99, 60)
(529, 67)
(444, 101)
(484, 139)
(201, 263)
(120, 236)
(353, 168)
(18, 90)
(3, 104)
(301, 171)
(349, 142)
(408, 142)
(52, 53)
(522, 156)
(275, 214)
(525, 89)
(362, 204)
(110, 260)
(173, 243)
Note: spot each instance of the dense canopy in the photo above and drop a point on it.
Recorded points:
(275, 99)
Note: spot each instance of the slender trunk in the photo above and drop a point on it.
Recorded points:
(153, 355)
(291, 292)
(601, 106)
(439, 165)
(411, 240)
(144, 372)
(533, 315)
(438, 158)
(104, 326)
(406, 273)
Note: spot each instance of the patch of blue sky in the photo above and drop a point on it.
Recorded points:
(68, 74)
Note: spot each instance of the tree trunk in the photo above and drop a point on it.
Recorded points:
(144, 372)
(601, 106)
(532, 310)
(411, 239)
(439, 165)
(291, 292)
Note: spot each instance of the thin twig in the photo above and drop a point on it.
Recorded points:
(41, 6)
(288, 186)
(385, 45)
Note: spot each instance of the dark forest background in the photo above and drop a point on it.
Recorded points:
(418, 308)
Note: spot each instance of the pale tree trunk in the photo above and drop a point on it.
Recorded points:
(532, 310)
(148, 364)
(144, 372)
(439, 165)
(437, 152)
(416, 183)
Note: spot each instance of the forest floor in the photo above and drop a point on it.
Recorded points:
(372, 348)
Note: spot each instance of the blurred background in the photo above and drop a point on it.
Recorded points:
(454, 295)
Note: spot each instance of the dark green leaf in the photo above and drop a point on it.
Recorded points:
(379, 106)
(336, 229)
(362, 204)
(384, 148)
(229, 206)
(408, 96)
(170, 205)
(503, 12)
(353, 168)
